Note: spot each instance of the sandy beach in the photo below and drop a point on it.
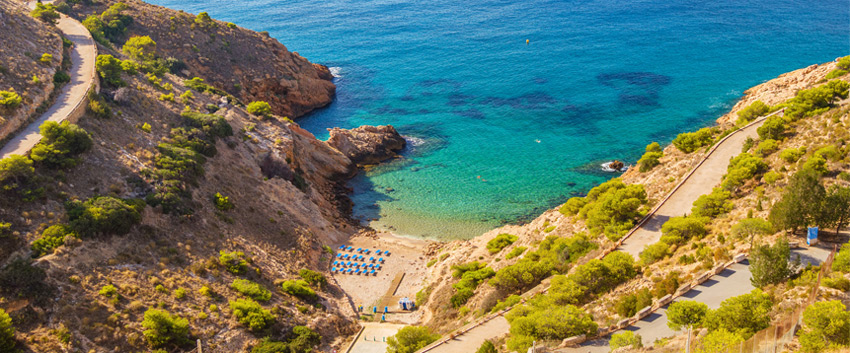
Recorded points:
(407, 256)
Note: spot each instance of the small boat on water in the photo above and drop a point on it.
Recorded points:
(614, 166)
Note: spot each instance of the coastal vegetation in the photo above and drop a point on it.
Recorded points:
(500, 242)
(650, 158)
(410, 339)
(751, 112)
(612, 208)
(691, 141)
(552, 256)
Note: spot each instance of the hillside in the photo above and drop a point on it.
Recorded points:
(25, 41)
(171, 203)
(461, 287)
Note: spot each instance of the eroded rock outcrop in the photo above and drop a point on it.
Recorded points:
(367, 144)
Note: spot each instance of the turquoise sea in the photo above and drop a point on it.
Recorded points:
(501, 130)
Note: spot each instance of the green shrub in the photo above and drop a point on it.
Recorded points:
(60, 144)
(250, 314)
(752, 111)
(612, 208)
(650, 158)
(546, 323)
(517, 251)
(835, 74)
(259, 108)
(45, 12)
(774, 128)
(720, 341)
(769, 264)
(10, 99)
(203, 19)
(109, 69)
(691, 141)
(251, 289)
(791, 155)
(130, 67)
(108, 291)
(7, 333)
(410, 339)
(17, 177)
(61, 77)
(749, 228)
(302, 341)
(553, 255)
(678, 230)
(471, 277)
(713, 204)
(837, 282)
(486, 347)
(842, 259)
(510, 301)
(766, 148)
(46, 58)
(813, 101)
(829, 152)
(843, 63)
(233, 261)
(52, 238)
(801, 202)
(111, 25)
(166, 97)
(744, 315)
(214, 125)
(299, 288)
(179, 293)
(685, 314)
(500, 242)
(771, 177)
(742, 168)
(654, 252)
(222, 203)
(140, 48)
(825, 326)
(187, 96)
(573, 206)
(625, 339)
(5, 229)
(163, 329)
(313, 278)
(104, 215)
(98, 107)
(231, 25)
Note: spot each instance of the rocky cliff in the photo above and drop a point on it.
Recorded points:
(367, 144)
(249, 65)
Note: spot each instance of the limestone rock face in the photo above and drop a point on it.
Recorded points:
(367, 144)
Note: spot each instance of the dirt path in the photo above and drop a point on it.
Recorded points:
(82, 73)
(472, 340)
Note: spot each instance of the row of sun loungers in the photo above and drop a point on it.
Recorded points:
(352, 271)
(363, 250)
(356, 265)
(358, 258)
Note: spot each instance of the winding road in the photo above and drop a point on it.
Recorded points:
(72, 98)
(732, 282)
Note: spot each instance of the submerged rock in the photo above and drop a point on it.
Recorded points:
(367, 144)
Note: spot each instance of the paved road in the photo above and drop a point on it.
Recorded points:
(707, 176)
(373, 338)
(732, 282)
(82, 72)
(472, 340)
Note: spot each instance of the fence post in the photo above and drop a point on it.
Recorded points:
(200, 347)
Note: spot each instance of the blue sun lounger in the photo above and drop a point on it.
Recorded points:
(386, 253)
(350, 248)
(378, 252)
(372, 259)
(373, 273)
(333, 269)
(342, 247)
(381, 260)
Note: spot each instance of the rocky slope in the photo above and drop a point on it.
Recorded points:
(284, 185)
(22, 45)
(249, 65)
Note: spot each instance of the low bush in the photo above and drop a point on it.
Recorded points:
(611, 208)
(313, 278)
(7, 333)
(104, 215)
(712, 205)
(163, 329)
(46, 58)
(251, 289)
(45, 12)
(678, 230)
(771, 177)
(222, 203)
(299, 288)
(752, 111)
(9, 99)
(654, 252)
(546, 323)
(766, 148)
(410, 339)
(742, 168)
(651, 157)
(813, 101)
(691, 141)
(836, 74)
(842, 259)
(20, 279)
(825, 326)
(97, 106)
(140, 48)
(791, 155)
(61, 77)
(109, 69)
(552, 256)
(52, 238)
(625, 339)
(744, 315)
(500, 242)
(259, 108)
(517, 251)
(60, 144)
(234, 261)
(250, 314)
(470, 279)
(510, 301)
(303, 340)
(17, 178)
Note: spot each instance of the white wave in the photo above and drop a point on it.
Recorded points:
(414, 141)
(335, 71)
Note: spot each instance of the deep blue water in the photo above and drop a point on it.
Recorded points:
(501, 129)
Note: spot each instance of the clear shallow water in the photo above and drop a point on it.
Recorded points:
(501, 130)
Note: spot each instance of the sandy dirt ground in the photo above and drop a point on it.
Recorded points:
(406, 256)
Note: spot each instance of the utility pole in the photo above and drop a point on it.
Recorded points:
(688, 346)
